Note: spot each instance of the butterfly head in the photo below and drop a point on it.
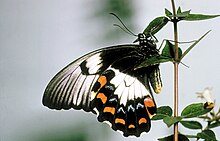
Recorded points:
(143, 39)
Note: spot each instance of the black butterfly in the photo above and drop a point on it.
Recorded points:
(106, 83)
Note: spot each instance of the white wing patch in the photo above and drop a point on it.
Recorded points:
(127, 87)
(70, 88)
(94, 63)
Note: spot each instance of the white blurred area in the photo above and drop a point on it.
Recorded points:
(38, 38)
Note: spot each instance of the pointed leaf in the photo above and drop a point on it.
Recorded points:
(215, 124)
(183, 14)
(170, 138)
(171, 120)
(191, 124)
(194, 110)
(162, 112)
(153, 61)
(179, 10)
(156, 25)
(169, 50)
(168, 13)
(197, 17)
(180, 53)
(193, 45)
(208, 135)
(205, 117)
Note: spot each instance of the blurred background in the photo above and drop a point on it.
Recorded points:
(38, 38)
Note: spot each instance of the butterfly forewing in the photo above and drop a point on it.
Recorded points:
(71, 87)
(106, 82)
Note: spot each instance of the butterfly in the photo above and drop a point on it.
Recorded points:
(107, 83)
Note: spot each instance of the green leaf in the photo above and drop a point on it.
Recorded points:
(191, 136)
(153, 61)
(191, 124)
(205, 117)
(171, 120)
(162, 112)
(178, 10)
(193, 45)
(215, 124)
(197, 17)
(208, 135)
(169, 50)
(194, 110)
(170, 138)
(179, 52)
(168, 13)
(156, 25)
(183, 14)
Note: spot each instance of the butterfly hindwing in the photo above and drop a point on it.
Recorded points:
(124, 101)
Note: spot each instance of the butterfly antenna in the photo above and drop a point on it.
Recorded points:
(125, 27)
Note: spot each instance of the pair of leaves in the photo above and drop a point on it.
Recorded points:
(207, 135)
(191, 111)
(165, 113)
(185, 15)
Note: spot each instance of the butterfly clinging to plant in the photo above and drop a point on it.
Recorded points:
(107, 83)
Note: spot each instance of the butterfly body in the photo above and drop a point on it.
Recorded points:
(106, 83)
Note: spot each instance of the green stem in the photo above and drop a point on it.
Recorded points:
(175, 70)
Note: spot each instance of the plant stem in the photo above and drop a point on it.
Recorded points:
(175, 99)
(175, 70)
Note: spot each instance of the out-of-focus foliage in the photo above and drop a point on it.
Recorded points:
(76, 132)
(122, 8)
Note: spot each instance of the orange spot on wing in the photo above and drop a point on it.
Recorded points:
(119, 120)
(109, 110)
(98, 85)
(102, 97)
(142, 120)
(131, 126)
(148, 102)
(102, 80)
